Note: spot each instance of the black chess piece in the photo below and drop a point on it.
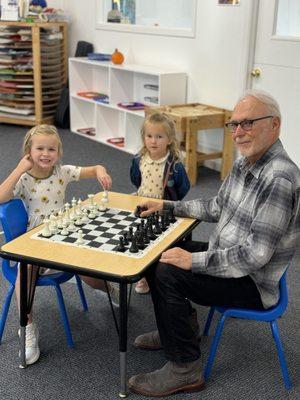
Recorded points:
(163, 223)
(167, 222)
(151, 234)
(146, 236)
(130, 234)
(126, 241)
(133, 248)
(140, 240)
(137, 211)
(121, 246)
(157, 229)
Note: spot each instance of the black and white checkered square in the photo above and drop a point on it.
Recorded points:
(103, 232)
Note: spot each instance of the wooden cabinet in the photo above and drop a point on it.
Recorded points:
(104, 118)
(33, 70)
(192, 118)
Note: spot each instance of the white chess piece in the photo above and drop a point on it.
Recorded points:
(79, 208)
(64, 231)
(95, 210)
(91, 200)
(85, 217)
(105, 196)
(46, 231)
(102, 206)
(72, 227)
(67, 216)
(92, 214)
(80, 239)
(53, 224)
(60, 219)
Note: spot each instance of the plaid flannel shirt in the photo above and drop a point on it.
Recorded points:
(258, 222)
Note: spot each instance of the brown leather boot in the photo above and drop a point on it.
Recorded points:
(171, 378)
(151, 340)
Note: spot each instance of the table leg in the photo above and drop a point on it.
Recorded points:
(191, 151)
(23, 312)
(123, 339)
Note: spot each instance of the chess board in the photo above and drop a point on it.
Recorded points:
(102, 233)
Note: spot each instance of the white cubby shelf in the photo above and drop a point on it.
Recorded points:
(149, 85)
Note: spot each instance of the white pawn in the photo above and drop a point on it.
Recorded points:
(72, 227)
(85, 217)
(64, 231)
(46, 231)
(80, 239)
(92, 214)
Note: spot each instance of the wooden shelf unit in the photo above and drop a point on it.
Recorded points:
(45, 73)
(191, 118)
(121, 83)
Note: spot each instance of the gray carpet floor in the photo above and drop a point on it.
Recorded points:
(246, 366)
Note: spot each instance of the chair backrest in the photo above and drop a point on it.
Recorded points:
(13, 218)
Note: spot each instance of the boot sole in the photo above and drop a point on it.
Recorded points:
(195, 387)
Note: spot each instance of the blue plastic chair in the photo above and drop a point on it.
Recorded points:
(270, 315)
(14, 219)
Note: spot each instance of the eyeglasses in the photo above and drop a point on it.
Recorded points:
(246, 124)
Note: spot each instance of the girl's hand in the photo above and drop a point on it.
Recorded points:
(104, 178)
(178, 257)
(26, 164)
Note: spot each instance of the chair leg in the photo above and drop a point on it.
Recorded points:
(286, 378)
(213, 347)
(208, 321)
(5, 310)
(64, 316)
(81, 293)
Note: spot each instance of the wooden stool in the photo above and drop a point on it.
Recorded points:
(191, 118)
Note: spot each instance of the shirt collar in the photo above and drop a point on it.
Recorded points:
(256, 168)
(149, 160)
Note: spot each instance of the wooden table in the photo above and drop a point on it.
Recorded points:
(191, 118)
(109, 266)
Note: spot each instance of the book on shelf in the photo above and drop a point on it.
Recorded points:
(87, 131)
(116, 141)
(132, 105)
(94, 96)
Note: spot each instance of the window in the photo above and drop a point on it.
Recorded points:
(160, 17)
(288, 18)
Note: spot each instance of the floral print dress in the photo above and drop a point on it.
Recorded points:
(43, 197)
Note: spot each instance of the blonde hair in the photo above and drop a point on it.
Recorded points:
(169, 128)
(41, 130)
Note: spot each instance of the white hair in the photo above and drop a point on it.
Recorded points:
(265, 98)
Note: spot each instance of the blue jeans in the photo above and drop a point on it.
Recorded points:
(172, 289)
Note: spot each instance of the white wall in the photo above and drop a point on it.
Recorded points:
(215, 60)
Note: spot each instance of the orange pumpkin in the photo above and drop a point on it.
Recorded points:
(117, 57)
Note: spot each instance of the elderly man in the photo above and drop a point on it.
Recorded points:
(257, 216)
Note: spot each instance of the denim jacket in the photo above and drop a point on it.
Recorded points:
(176, 182)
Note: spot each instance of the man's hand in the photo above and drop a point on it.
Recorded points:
(150, 207)
(26, 164)
(178, 257)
